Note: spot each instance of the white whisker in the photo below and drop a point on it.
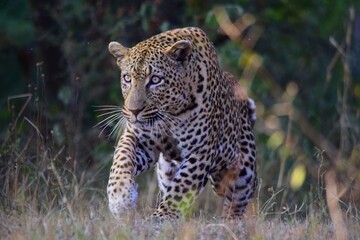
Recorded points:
(109, 113)
(108, 119)
(163, 124)
(168, 119)
(113, 114)
(169, 114)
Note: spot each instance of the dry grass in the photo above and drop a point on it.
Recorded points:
(97, 223)
(92, 220)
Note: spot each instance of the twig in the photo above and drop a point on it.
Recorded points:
(26, 95)
(35, 127)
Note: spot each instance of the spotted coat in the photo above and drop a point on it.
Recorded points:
(188, 116)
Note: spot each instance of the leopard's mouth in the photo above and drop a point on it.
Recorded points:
(154, 120)
(136, 120)
(140, 118)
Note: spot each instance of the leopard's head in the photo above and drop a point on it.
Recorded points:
(155, 79)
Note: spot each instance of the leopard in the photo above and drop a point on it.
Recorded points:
(187, 118)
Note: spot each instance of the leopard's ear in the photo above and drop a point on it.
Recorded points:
(117, 50)
(179, 51)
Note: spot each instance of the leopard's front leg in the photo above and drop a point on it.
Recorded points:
(188, 182)
(131, 157)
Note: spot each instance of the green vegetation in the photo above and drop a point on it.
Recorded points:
(299, 60)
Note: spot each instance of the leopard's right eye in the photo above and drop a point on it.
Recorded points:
(127, 78)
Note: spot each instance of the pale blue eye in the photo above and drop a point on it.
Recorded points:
(127, 78)
(155, 80)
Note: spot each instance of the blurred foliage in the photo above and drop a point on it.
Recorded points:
(298, 59)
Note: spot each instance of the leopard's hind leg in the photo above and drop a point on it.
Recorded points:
(237, 184)
(239, 194)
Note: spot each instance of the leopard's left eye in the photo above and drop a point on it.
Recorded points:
(155, 80)
(127, 78)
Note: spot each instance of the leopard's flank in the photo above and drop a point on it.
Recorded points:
(187, 116)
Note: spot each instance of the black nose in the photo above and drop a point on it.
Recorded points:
(136, 111)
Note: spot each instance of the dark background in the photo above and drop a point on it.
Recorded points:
(299, 61)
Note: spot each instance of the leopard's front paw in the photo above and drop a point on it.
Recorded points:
(123, 199)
